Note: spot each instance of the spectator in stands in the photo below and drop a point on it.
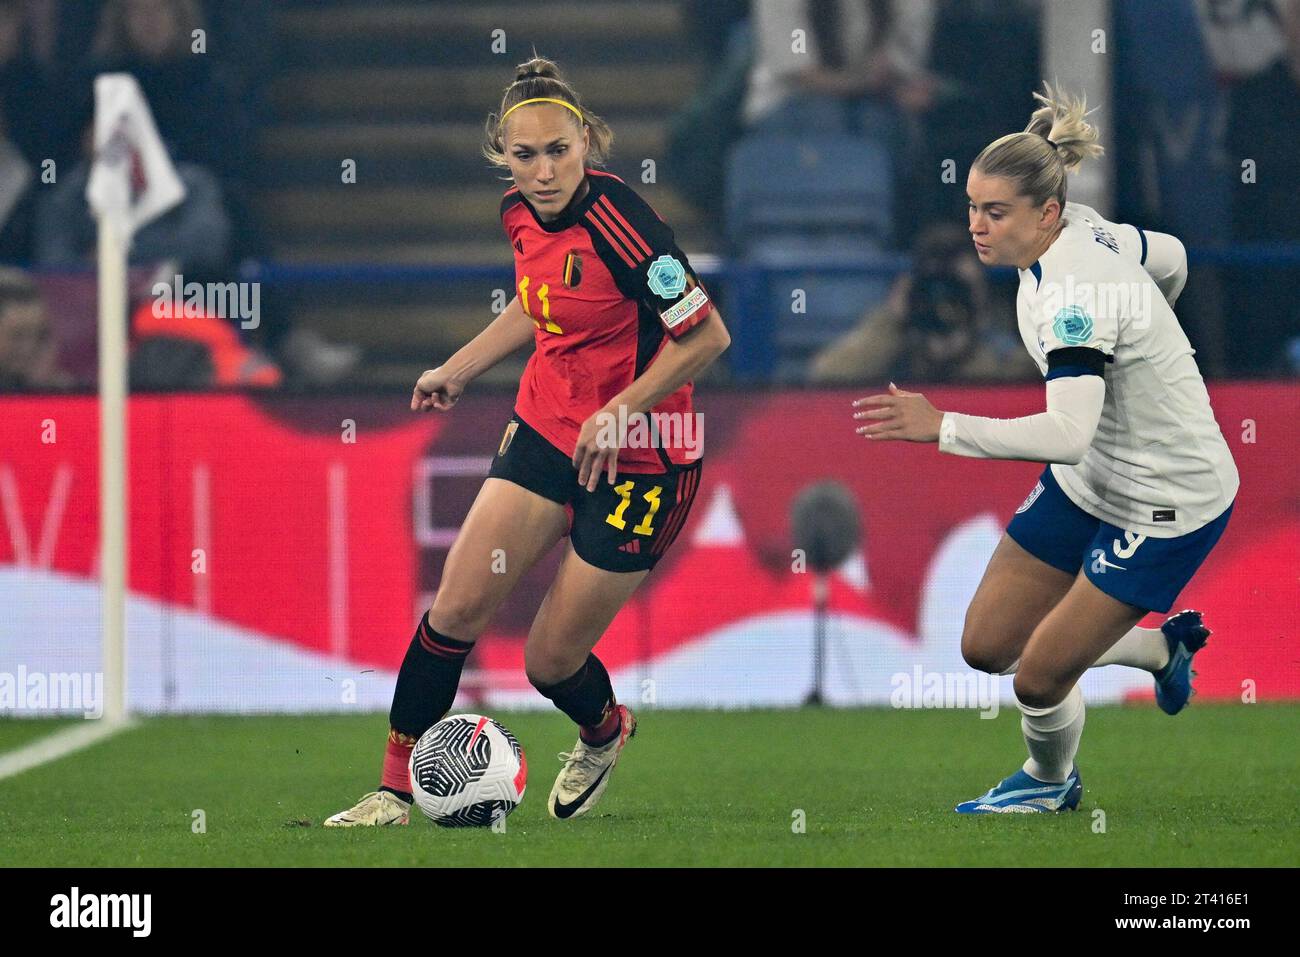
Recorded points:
(701, 133)
(24, 92)
(187, 348)
(17, 200)
(938, 324)
(202, 104)
(194, 107)
(29, 359)
(972, 105)
(25, 113)
(190, 240)
(1255, 49)
(856, 67)
(195, 233)
(60, 31)
(196, 117)
(839, 65)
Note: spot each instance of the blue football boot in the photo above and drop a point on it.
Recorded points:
(1022, 794)
(1185, 635)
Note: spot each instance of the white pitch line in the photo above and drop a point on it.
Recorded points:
(59, 744)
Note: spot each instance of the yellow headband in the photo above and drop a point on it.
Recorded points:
(543, 99)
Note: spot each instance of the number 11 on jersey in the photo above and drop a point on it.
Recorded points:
(543, 296)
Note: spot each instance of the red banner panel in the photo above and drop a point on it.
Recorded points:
(282, 549)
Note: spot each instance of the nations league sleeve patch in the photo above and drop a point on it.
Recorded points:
(1072, 326)
(666, 277)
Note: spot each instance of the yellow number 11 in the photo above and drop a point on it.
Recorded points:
(616, 519)
(543, 292)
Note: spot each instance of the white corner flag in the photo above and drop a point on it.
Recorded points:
(131, 182)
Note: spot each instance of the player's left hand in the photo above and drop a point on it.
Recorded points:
(907, 416)
(593, 455)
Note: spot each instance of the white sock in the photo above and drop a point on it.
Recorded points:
(1052, 735)
(1143, 648)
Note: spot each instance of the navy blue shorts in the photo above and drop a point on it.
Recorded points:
(1145, 572)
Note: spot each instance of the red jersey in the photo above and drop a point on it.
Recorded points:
(606, 286)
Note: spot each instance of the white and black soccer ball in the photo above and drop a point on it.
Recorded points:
(467, 771)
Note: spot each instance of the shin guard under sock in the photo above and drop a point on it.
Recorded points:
(587, 697)
(426, 688)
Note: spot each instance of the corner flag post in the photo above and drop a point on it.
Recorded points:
(112, 466)
(132, 181)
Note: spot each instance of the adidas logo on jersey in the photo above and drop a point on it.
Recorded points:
(519, 245)
(632, 547)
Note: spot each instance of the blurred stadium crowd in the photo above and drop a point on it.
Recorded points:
(812, 167)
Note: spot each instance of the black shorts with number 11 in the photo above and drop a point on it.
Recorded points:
(624, 527)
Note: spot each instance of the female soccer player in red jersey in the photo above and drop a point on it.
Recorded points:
(621, 326)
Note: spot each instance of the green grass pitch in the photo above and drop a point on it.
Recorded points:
(1213, 786)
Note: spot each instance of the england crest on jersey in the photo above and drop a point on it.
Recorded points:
(1033, 497)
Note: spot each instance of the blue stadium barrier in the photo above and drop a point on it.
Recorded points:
(744, 284)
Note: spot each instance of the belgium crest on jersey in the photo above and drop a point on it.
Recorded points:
(572, 269)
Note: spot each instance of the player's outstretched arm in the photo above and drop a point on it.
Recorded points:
(1061, 434)
(440, 388)
(900, 416)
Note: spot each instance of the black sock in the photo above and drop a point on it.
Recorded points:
(427, 681)
(586, 696)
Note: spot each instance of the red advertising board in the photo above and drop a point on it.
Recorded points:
(266, 526)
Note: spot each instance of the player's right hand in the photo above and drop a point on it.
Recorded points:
(435, 389)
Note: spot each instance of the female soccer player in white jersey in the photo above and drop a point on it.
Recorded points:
(1139, 483)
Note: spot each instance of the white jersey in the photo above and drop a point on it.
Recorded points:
(1158, 463)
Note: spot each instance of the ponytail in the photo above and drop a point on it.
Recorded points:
(1057, 139)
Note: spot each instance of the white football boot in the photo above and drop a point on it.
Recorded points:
(586, 771)
(376, 809)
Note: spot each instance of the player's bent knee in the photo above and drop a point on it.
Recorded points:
(982, 659)
(546, 675)
(458, 618)
(983, 654)
(1036, 690)
(545, 668)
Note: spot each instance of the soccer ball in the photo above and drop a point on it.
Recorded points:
(467, 771)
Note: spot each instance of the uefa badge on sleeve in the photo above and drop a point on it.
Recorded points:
(1072, 326)
(667, 277)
